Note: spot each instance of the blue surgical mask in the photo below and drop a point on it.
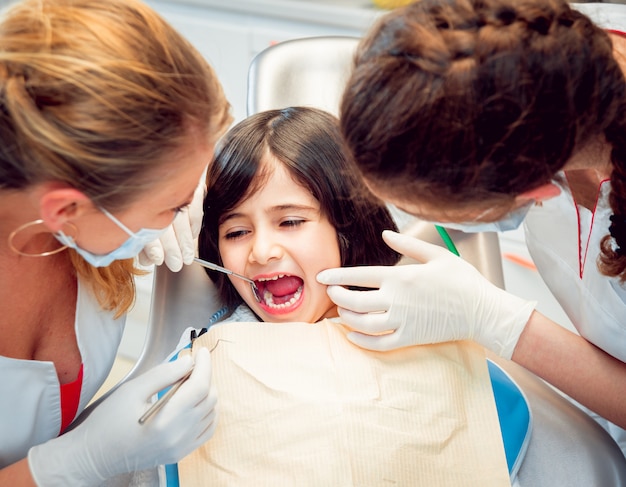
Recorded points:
(129, 249)
(510, 222)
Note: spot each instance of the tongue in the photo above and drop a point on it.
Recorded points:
(284, 286)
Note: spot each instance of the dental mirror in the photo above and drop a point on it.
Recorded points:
(215, 267)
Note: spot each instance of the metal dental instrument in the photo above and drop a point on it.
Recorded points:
(215, 267)
(162, 401)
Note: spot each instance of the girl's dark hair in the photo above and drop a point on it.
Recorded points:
(307, 141)
(466, 101)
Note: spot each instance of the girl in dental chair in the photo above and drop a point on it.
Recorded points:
(283, 204)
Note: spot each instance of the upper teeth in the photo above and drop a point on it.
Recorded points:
(273, 278)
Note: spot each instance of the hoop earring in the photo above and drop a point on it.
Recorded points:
(32, 224)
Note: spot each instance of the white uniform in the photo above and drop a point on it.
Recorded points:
(594, 303)
(30, 409)
(564, 242)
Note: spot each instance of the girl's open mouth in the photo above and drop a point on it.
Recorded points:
(280, 292)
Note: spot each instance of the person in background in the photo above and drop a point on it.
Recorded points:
(480, 115)
(108, 118)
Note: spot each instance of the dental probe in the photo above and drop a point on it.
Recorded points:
(162, 401)
(215, 267)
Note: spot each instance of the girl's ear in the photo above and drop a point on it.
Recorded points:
(543, 192)
(58, 205)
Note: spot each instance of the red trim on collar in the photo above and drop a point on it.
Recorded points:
(582, 259)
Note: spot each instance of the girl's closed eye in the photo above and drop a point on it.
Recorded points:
(292, 222)
(235, 234)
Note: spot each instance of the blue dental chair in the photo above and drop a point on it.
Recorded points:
(566, 448)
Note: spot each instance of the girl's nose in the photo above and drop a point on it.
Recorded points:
(264, 249)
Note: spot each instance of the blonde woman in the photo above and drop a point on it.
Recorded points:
(108, 118)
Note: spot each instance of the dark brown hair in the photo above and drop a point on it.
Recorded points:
(308, 142)
(466, 101)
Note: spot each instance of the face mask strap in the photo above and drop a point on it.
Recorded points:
(117, 222)
(21, 228)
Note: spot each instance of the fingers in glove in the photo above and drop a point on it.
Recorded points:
(173, 256)
(192, 402)
(203, 413)
(371, 276)
(188, 433)
(160, 377)
(358, 301)
(198, 386)
(184, 236)
(377, 343)
(195, 208)
(413, 247)
(208, 419)
(152, 253)
(366, 323)
(143, 259)
(207, 433)
(207, 403)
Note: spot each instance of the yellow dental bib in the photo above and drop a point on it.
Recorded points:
(299, 405)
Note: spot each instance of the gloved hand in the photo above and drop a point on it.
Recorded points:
(177, 245)
(111, 441)
(445, 298)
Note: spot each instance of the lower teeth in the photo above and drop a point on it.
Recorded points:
(268, 297)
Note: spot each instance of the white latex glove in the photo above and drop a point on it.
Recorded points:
(177, 245)
(111, 441)
(443, 299)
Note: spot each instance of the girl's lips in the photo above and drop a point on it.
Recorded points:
(280, 293)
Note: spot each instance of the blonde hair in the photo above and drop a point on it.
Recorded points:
(100, 95)
(113, 286)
